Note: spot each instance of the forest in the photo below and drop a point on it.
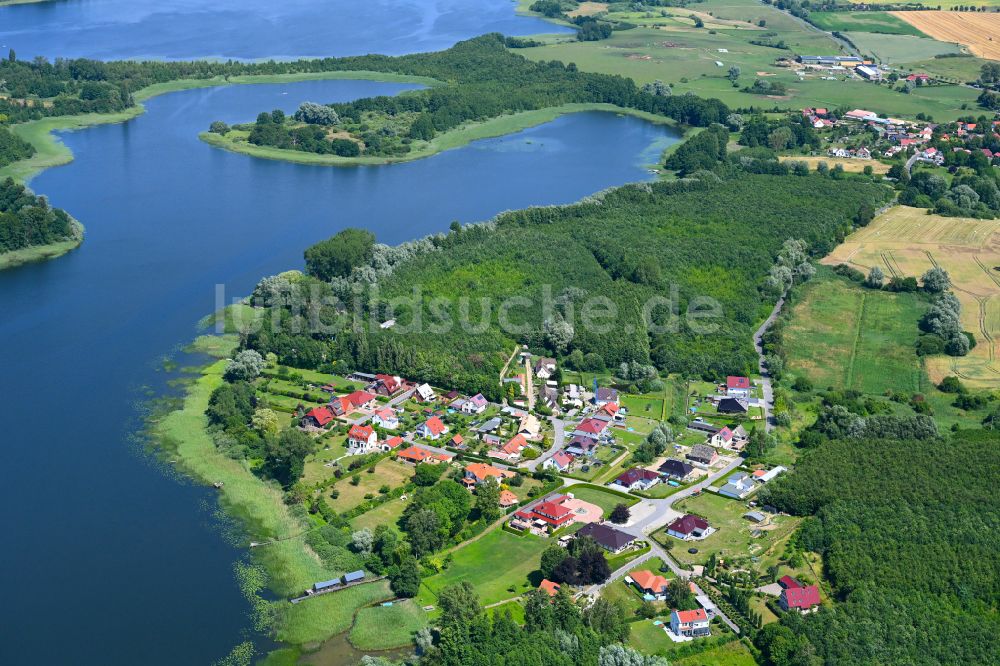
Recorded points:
(686, 241)
(909, 531)
(27, 220)
(485, 80)
(13, 147)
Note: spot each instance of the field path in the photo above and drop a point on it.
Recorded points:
(849, 372)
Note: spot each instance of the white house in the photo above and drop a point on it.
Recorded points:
(738, 486)
(361, 439)
(692, 623)
(475, 405)
(386, 418)
(432, 428)
(738, 387)
(425, 392)
(545, 368)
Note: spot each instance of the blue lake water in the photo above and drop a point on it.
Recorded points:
(252, 29)
(108, 560)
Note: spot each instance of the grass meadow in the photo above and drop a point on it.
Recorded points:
(492, 564)
(386, 627)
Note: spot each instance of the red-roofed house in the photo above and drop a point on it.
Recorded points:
(550, 512)
(341, 406)
(386, 418)
(388, 385)
(803, 598)
(560, 461)
(636, 478)
(787, 582)
(738, 387)
(361, 439)
(512, 449)
(362, 399)
(416, 454)
(688, 527)
(392, 443)
(550, 588)
(507, 499)
(649, 583)
(689, 623)
(319, 416)
(432, 428)
(592, 428)
(476, 473)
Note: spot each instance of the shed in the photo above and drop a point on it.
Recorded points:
(354, 576)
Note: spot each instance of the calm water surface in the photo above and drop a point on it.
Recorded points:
(251, 29)
(106, 559)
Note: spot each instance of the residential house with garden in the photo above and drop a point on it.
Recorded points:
(689, 527)
(691, 623)
(361, 439)
(432, 428)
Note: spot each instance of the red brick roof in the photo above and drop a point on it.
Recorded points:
(393, 442)
(801, 597)
(435, 425)
(788, 581)
(594, 426)
(738, 382)
(359, 398)
(647, 580)
(321, 415)
(688, 616)
(636, 474)
(550, 588)
(360, 432)
(414, 454)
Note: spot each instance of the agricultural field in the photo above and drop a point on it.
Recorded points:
(907, 241)
(732, 537)
(843, 336)
(962, 68)
(972, 29)
(895, 49)
(492, 564)
(687, 57)
(877, 22)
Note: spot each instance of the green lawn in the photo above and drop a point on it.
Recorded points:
(734, 653)
(491, 564)
(650, 407)
(732, 536)
(605, 499)
(386, 627)
(384, 514)
(515, 608)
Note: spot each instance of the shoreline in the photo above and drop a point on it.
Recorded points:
(51, 152)
(456, 138)
(258, 507)
(29, 255)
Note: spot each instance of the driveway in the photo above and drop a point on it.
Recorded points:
(765, 382)
(558, 438)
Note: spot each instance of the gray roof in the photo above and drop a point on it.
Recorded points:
(674, 467)
(701, 452)
(607, 536)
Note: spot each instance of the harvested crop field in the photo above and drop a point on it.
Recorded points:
(851, 165)
(978, 31)
(588, 9)
(906, 242)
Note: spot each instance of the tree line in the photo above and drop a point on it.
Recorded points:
(27, 220)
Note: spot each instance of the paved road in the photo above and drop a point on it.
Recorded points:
(558, 439)
(765, 381)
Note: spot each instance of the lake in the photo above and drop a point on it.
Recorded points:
(252, 29)
(109, 560)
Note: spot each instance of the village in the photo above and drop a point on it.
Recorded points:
(569, 458)
(863, 135)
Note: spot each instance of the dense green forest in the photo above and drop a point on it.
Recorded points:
(686, 240)
(27, 220)
(13, 147)
(909, 531)
(486, 80)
